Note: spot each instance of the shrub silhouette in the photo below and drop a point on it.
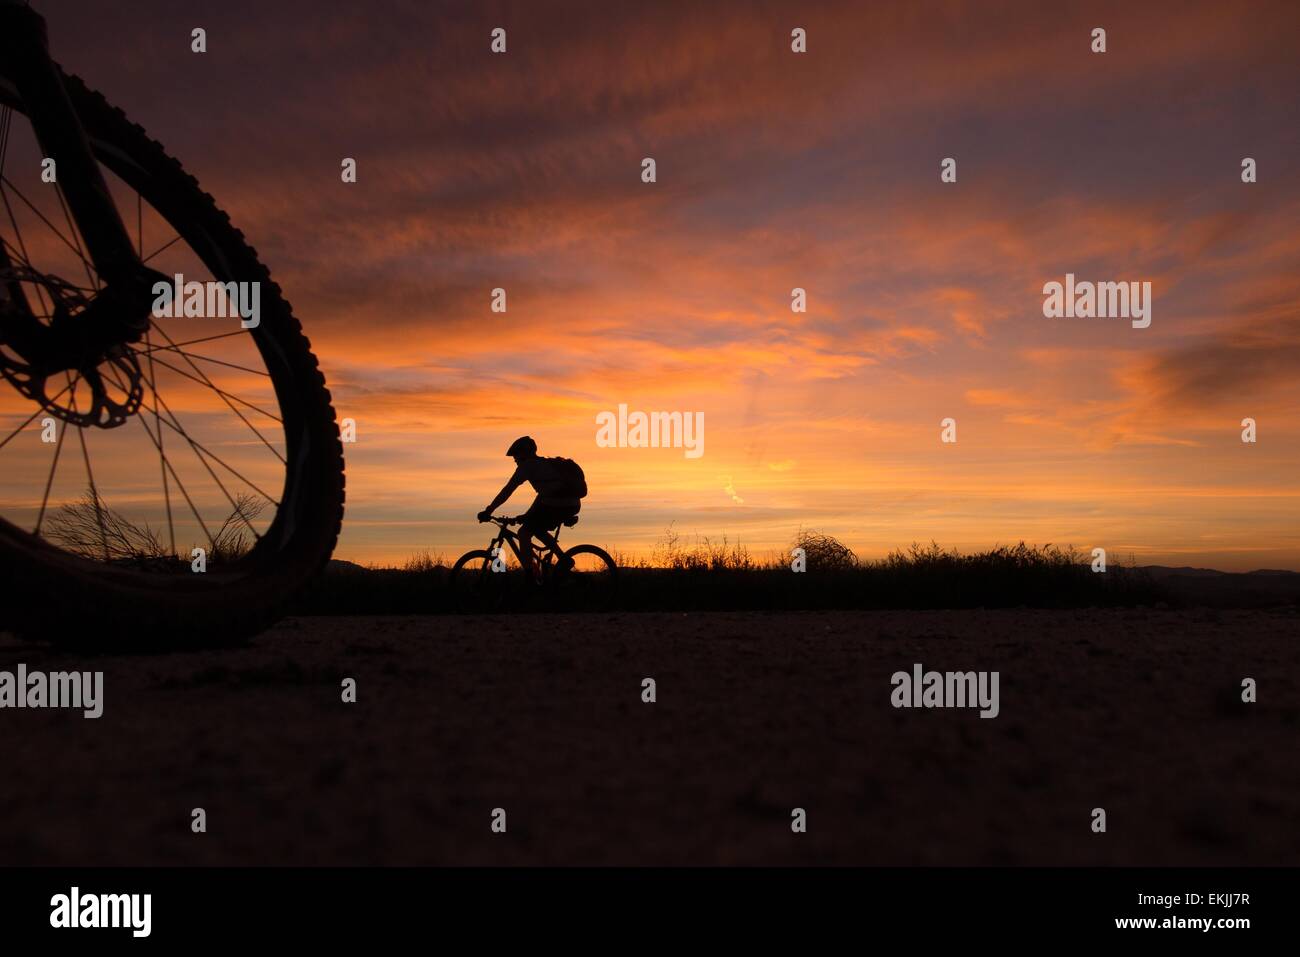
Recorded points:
(824, 552)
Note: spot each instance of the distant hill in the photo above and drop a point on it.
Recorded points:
(340, 565)
(1164, 571)
(1207, 586)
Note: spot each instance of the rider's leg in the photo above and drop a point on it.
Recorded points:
(538, 522)
(562, 561)
(546, 538)
(552, 517)
(526, 533)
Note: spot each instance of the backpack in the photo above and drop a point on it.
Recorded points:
(570, 472)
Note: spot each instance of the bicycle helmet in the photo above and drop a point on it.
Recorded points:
(522, 446)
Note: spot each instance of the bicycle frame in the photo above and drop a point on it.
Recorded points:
(544, 554)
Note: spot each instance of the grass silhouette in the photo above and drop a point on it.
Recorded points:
(719, 574)
(89, 528)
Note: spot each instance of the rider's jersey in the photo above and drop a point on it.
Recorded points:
(547, 481)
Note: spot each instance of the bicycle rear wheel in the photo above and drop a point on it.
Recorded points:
(592, 583)
(592, 564)
(84, 560)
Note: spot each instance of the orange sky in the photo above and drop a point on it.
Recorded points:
(775, 170)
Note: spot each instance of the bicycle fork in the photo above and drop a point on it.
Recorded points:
(119, 312)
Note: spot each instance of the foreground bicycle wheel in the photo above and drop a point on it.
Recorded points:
(234, 451)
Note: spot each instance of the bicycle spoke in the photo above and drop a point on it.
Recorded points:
(161, 249)
(175, 426)
(222, 393)
(90, 475)
(180, 485)
(199, 452)
(195, 355)
(22, 246)
(173, 422)
(194, 342)
(162, 464)
(167, 467)
(6, 120)
(53, 228)
(31, 418)
(49, 482)
(219, 392)
(18, 258)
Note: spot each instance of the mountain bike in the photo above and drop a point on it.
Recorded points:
(164, 480)
(485, 575)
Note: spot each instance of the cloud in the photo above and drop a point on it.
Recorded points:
(776, 170)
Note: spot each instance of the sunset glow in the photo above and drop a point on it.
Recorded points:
(773, 172)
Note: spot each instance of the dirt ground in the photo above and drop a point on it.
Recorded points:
(1134, 711)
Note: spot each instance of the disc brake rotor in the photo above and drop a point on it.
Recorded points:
(113, 379)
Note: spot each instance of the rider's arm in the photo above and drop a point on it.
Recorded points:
(516, 480)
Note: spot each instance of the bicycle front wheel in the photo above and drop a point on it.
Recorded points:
(475, 583)
(194, 523)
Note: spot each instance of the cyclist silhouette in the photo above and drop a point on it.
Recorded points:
(559, 496)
